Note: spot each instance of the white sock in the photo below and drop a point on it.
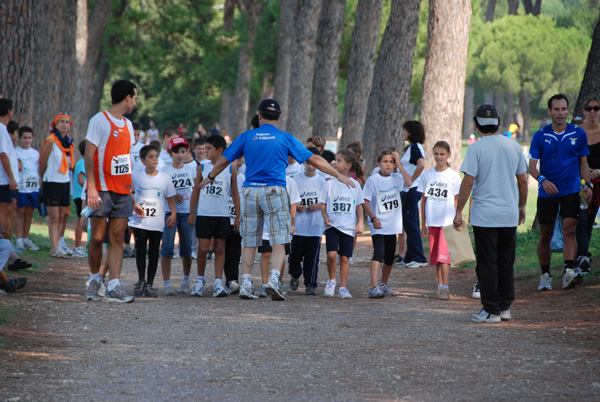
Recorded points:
(95, 277)
(185, 278)
(275, 275)
(112, 284)
(200, 278)
(247, 279)
(19, 241)
(167, 283)
(62, 239)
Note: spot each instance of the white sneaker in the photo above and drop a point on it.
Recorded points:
(78, 252)
(247, 292)
(219, 290)
(545, 282)
(29, 245)
(415, 264)
(274, 290)
(62, 247)
(344, 294)
(102, 290)
(330, 288)
(484, 316)
(569, 279)
(168, 291)
(198, 288)
(234, 287)
(505, 315)
(476, 292)
(351, 259)
(195, 255)
(20, 245)
(184, 288)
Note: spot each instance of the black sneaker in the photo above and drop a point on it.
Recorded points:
(294, 283)
(149, 291)
(13, 285)
(584, 262)
(138, 288)
(311, 291)
(19, 264)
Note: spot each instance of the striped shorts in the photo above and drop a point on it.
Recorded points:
(270, 203)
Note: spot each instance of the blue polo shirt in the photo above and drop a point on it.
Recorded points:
(266, 150)
(559, 155)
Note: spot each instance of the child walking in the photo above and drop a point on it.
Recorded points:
(384, 209)
(440, 186)
(343, 217)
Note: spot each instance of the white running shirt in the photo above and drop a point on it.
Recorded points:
(383, 194)
(341, 203)
(310, 223)
(440, 189)
(151, 192)
(183, 182)
(29, 178)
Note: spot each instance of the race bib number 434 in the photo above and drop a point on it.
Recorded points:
(120, 165)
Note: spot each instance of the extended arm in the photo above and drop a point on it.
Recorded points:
(463, 195)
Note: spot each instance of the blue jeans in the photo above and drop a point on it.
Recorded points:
(412, 229)
(186, 232)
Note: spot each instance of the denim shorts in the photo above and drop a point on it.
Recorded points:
(271, 203)
(185, 231)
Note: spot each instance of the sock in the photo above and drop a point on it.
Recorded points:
(112, 284)
(200, 278)
(247, 279)
(185, 278)
(95, 277)
(62, 239)
(275, 275)
(218, 282)
(545, 269)
(342, 288)
(167, 283)
(440, 286)
(444, 287)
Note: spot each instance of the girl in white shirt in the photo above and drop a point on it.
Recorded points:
(440, 186)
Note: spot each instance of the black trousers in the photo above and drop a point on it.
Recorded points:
(233, 252)
(305, 248)
(495, 248)
(146, 240)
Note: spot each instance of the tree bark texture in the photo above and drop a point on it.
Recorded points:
(531, 8)
(590, 86)
(499, 103)
(284, 57)
(524, 107)
(16, 49)
(469, 112)
(242, 90)
(489, 11)
(390, 91)
(304, 41)
(513, 7)
(361, 66)
(325, 103)
(226, 121)
(510, 109)
(445, 72)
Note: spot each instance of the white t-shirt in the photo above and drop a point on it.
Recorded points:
(7, 147)
(30, 179)
(415, 151)
(151, 192)
(165, 157)
(214, 198)
(294, 170)
(240, 181)
(135, 151)
(183, 181)
(293, 194)
(310, 223)
(341, 203)
(54, 161)
(383, 194)
(440, 188)
(99, 128)
(138, 166)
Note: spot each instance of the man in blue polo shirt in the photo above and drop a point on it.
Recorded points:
(266, 150)
(561, 150)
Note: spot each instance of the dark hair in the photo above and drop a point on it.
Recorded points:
(443, 145)
(169, 130)
(25, 129)
(6, 105)
(146, 149)
(489, 129)
(81, 147)
(557, 97)
(314, 150)
(135, 126)
(415, 130)
(200, 141)
(355, 147)
(328, 155)
(12, 126)
(120, 90)
(356, 167)
(217, 141)
(385, 152)
(254, 123)
(270, 115)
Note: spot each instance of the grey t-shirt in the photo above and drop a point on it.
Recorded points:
(494, 161)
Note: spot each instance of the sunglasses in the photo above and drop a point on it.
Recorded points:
(589, 108)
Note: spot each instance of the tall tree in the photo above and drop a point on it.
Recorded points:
(531, 8)
(591, 78)
(445, 72)
(468, 126)
(390, 91)
(489, 11)
(325, 104)
(227, 100)
(361, 66)
(304, 41)
(513, 7)
(284, 57)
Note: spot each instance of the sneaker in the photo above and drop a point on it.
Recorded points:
(79, 252)
(505, 315)
(386, 289)
(311, 291)
(351, 259)
(198, 287)
(168, 291)
(584, 262)
(569, 279)
(195, 255)
(118, 295)
(444, 294)
(415, 264)
(262, 291)
(578, 275)
(484, 316)
(149, 291)
(184, 288)
(545, 282)
(102, 290)
(127, 252)
(91, 290)
(246, 292)
(62, 247)
(374, 293)
(329, 288)
(29, 245)
(274, 290)
(283, 288)
(476, 292)
(18, 264)
(138, 288)
(20, 246)
(344, 294)
(294, 283)
(399, 261)
(13, 285)
(219, 291)
(210, 255)
(234, 287)
(437, 293)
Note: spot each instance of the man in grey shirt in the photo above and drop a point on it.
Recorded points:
(490, 167)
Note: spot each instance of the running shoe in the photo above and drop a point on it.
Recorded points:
(62, 247)
(283, 288)
(274, 290)
(399, 261)
(444, 294)
(294, 283)
(584, 262)
(386, 289)
(138, 288)
(344, 294)
(79, 252)
(29, 245)
(18, 264)
(127, 252)
(545, 282)
(184, 288)
(198, 287)
(329, 288)
(476, 292)
(20, 246)
(484, 316)
(569, 279)
(102, 290)
(311, 291)
(234, 287)
(262, 291)
(437, 293)
(195, 255)
(351, 259)
(13, 285)
(149, 291)
(91, 290)
(578, 275)
(247, 292)
(168, 290)
(118, 295)
(374, 293)
(219, 290)
(505, 315)
(415, 264)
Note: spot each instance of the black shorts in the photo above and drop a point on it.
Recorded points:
(339, 242)
(208, 227)
(78, 205)
(267, 248)
(548, 208)
(57, 194)
(384, 248)
(6, 195)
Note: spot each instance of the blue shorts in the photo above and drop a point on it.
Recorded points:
(186, 232)
(27, 200)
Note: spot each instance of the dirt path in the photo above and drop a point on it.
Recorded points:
(406, 347)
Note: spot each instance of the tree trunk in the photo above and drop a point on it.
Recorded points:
(531, 8)
(510, 109)
(499, 103)
(304, 41)
(267, 89)
(360, 69)
(242, 90)
(590, 86)
(390, 91)
(228, 14)
(524, 106)
(284, 58)
(325, 103)
(16, 56)
(489, 12)
(513, 7)
(445, 72)
(488, 97)
(226, 98)
(469, 112)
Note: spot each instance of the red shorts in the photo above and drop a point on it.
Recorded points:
(438, 248)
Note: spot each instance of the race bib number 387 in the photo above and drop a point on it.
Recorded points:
(342, 204)
(120, 165)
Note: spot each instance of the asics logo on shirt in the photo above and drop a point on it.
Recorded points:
(339, 198)
(145, 203)
(386, 197)
(307, 194)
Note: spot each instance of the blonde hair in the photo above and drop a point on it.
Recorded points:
(443, 145)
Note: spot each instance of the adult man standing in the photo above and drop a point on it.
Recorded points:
(561, 149)
(9, 168)
(490, 167)
(109, 140)
(266, 150)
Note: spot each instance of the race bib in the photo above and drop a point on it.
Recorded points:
(388, 202)
(182, 184)
(342, 204)
(309, 197)
(31, 182)
(437, 191)
(231, 208)
(120, 165)
(152, 208)
(214, 190)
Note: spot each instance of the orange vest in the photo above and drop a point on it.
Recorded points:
(112, 162)
(64, 164)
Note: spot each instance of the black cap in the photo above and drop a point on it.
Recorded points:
(487, 115)
(269, 105)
